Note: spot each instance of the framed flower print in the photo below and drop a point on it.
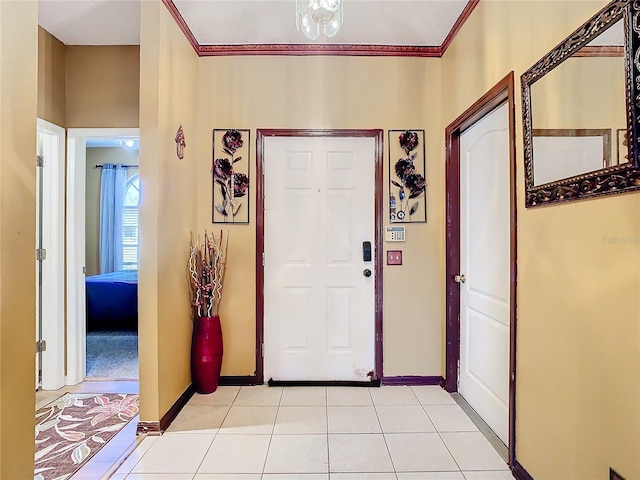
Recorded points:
(407, 184)
(230, 174)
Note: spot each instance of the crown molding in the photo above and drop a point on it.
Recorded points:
(320, 49)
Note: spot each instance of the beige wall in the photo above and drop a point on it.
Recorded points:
(51, 78)
(330, 93)
(102, 86)
(99, 156)
(87, 86)
(346, 93)
(18, 110)
(578, 377)
(168, 75)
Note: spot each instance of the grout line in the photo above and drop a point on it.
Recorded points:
(384, 439)
(326, 415)
(273, 429)
(215, 435)
(442, 439)
(486, 431)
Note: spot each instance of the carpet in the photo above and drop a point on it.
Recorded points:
(112, 354)
(71, 429)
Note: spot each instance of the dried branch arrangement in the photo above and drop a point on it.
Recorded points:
(207, 265)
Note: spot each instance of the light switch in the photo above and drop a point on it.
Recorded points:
(394, 257)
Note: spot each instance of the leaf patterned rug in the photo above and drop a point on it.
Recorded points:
(71, 429)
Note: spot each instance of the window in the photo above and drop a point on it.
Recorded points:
(130, 223)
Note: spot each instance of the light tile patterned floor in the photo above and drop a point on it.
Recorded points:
(318, 433)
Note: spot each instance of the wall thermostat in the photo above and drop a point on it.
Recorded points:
(394, 234)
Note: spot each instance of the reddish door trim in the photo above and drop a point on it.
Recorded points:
(502, 92)
(262, 133)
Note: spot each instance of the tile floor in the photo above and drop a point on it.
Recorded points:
(318, 433)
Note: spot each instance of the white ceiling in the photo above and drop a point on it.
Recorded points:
(130, 143)
(238, 22)
(91, 22)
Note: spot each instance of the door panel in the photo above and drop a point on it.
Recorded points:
(318, 306)
(484, 259)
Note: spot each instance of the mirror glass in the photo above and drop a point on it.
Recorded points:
(576, 108)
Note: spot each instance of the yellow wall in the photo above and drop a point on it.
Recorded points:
(18, 110)
(99, 156)
(102, 86)
(87, 86)
(168, 98)
(578, 372)
(51, 78)
(329, 93)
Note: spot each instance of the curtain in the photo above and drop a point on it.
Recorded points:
(112, 183)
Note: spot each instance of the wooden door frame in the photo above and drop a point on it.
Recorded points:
(377, 135)
(502, 92)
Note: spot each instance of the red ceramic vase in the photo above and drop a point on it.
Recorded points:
(206, 354)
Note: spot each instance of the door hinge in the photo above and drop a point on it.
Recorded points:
(41, 346)
(263, 259)
(41, 254)
(39, 161)
(262, 348)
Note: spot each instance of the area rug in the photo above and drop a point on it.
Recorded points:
(112, 354)
(71, 429)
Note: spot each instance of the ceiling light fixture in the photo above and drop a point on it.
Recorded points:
(315, 16)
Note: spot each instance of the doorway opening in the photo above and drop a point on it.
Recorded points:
(102, 232)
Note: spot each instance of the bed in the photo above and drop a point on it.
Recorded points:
(112, 301)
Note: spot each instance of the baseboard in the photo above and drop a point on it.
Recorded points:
(149, 428)
(413, 380)
(519, 472)
(238, 381)
(157, 427)
(320, 383)
(173, 412)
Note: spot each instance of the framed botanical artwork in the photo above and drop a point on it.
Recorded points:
(230, 175)
(407, 185)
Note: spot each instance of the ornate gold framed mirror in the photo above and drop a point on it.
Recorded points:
(581, 111)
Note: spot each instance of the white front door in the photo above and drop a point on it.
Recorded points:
(318, 304)
(485, 261)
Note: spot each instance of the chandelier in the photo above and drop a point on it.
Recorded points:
(315, 16)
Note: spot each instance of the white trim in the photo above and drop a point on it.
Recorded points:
(76, 297)
(53, 266)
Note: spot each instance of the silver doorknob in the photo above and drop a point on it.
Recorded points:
(460, 278)
(367, 273)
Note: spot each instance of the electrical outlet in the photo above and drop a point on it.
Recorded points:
(394, 257)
